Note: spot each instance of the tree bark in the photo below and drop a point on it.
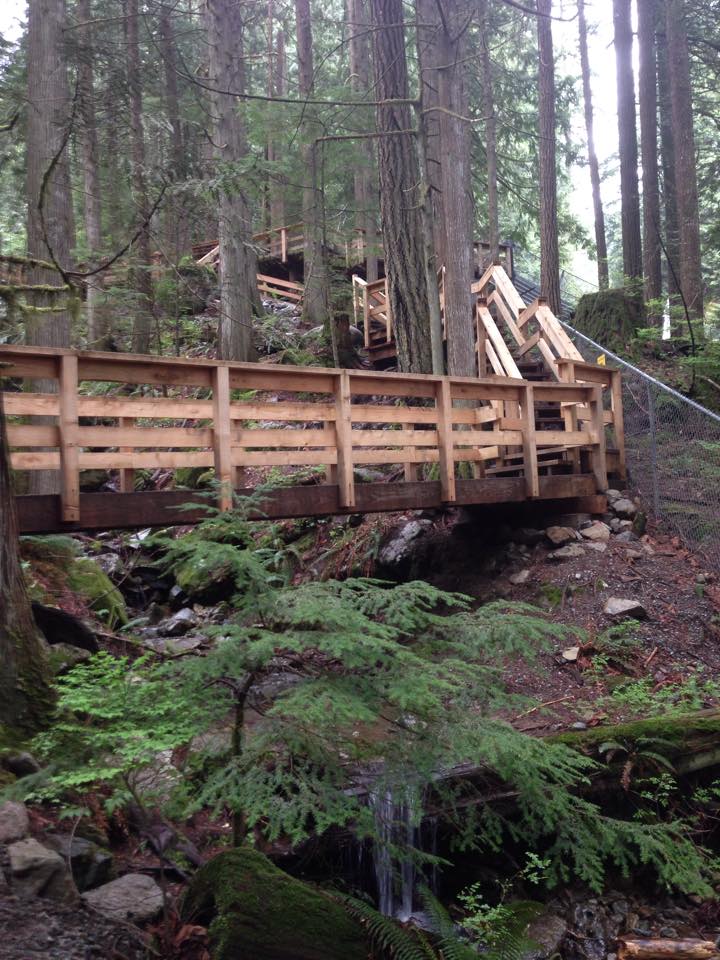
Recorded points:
(277, 184)
(456, 187)
(50, 223)
(316, 302)
(600, 241)
(627, 134)
(26, 697)
(427, 30)
(488, 101)
(399, 177)
(549, 248)
(176, 229)
(238, 264)
(97, 318)
(142, 277)
(685, 166)
(363, 174)
(669, 189)
(652, 251)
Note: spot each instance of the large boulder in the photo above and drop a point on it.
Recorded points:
(14, 822)
(36, 871)
(255, 911)
(133, 897)
(91, 865)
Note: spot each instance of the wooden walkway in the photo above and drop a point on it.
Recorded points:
(450, 441)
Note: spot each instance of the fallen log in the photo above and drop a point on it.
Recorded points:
(661, 949)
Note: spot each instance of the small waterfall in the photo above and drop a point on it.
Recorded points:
(396, 825)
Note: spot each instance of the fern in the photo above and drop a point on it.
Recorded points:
(384, 933)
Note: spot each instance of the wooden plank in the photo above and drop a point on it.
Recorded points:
(279, 437)
(302, 412)
(531, 342)
(68, 427)
(556, 335)
(504, 355)
(127, 475)
(221, 437)
(265, 377)
(282, 458)
(27, 435)
(445, 440)
(149, 408)
(529, 444)
(517, 334)
(31, 404)
(564, 438)
(343, 440)
(374, 438)
(486, 437)
(529, 312)
(372, 413)
(32, 460)
(618, 420)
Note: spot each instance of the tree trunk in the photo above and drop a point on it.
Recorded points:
(456, 187)
(26, 697)
(97, 317)
(627, 133)
(488, 101)
(399, 177)
(176, 224)
(238, 265)
(316, 302)
(600, 241)
(652, 251)
(669, 189)
(277, 184)
(50, 225)
(363, 175)
(685, 167)
(427, 29)
(142, 277)
(549, 249)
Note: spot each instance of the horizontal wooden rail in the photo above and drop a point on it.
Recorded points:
(187, 413)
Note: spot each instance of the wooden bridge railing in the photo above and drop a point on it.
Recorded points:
(188, 413)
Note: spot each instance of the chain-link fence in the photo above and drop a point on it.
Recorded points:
(673, 453)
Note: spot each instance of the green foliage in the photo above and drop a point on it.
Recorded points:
(373, 684)
(646, 698)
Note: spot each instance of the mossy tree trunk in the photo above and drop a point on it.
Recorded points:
(26, 697)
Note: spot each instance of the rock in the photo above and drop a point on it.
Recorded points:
(63, 657)
(111, 565)
(133, 897)
(397, 547)
(597, 532)
(624, 508)
(597, 547)
(635, 554)
(155, 782)
(22, 764)
(567, 553)
(89, 863)
(579, 725)
(177, 646)
(559, 536)
(178, 624)
(613, 495)
(627, 536)
(621, 608)
(61, 627)
(517, 579)
(260, 911)
(546, 933)
(14, 821)
(529, 536)
(36, 871)
(571, 654)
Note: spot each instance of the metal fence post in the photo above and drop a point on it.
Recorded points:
(653, 451)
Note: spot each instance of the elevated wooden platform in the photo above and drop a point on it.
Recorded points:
(254, 423)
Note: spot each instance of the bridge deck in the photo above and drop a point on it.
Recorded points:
(445, 436)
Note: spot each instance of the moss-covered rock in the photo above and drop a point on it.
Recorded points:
(611, 317)
(257, 912)
(58, 575)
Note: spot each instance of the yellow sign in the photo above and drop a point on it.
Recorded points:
(601, 360)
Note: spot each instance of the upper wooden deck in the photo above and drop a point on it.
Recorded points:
(453, 441)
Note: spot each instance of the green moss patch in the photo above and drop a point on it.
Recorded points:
(259, 911)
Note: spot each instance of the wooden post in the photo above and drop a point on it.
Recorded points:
(283, 244)
(221, 435)
(388, 314)
(68, 424)
(410, 468)
(331, 471)
(343, 440)
(481, 341)
(127, 474)
(597, 427)
(532, 479)
(618, 418)
(570, 414)
(443, 400)
(366, 315)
